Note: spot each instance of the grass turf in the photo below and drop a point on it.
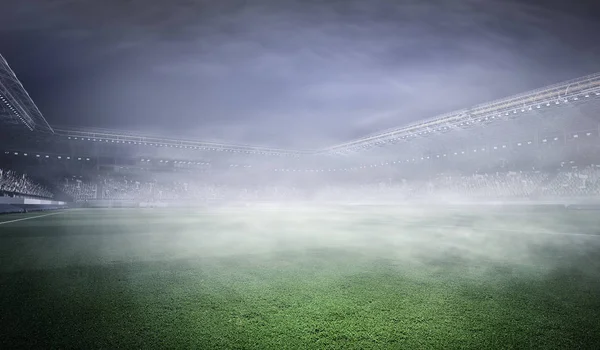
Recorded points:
(364, 279)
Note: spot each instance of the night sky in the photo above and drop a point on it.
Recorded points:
(284, 73)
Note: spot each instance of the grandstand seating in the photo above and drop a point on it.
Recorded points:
(13, 184)
(79, 190)
(572, 182)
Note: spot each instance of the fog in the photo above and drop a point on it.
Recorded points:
(417, 242)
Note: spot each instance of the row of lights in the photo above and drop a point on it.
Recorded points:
(175, 162)
(446, 128)
(458, 153)
(48, 156)
(15, 112)
(143, 160)
(176, 146)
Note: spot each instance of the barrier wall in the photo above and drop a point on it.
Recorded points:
(29, 201)
(570, 203)
(9, 205)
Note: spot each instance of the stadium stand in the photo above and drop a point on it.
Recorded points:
(14, 184)
(79, 190)
(570, 182)
(499, 151)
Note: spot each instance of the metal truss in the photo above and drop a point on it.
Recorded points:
(16, 106)
(478, 116)
(107, 136)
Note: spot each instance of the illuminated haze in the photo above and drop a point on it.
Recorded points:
(286, 73)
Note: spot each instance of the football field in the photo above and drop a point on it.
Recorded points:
(302, 278)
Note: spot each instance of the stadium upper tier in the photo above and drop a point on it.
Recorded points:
(16, 107)
(541, 102)
(571, 91)
(98, 135)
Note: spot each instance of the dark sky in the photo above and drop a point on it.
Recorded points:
(282, 72)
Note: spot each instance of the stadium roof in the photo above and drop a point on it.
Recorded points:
(477, 116)
(573, 90)
(104, 135)
(16, 106)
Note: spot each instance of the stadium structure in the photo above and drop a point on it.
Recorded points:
(476, 229)
(540, 129)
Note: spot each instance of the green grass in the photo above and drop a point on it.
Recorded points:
(325, 279)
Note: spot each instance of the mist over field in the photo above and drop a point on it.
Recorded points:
(403, 235)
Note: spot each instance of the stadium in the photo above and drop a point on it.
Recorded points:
(477, 229)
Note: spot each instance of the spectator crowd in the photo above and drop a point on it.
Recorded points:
(15, 184)
(568, 182)
(571, 182)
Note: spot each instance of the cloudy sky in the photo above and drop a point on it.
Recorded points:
(287, 73)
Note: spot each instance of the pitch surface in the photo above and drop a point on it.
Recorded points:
(411, 278)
